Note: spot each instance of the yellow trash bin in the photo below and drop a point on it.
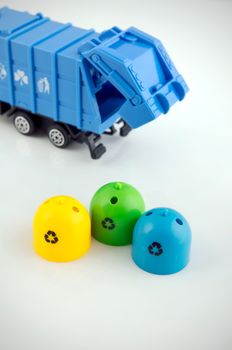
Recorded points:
(61, 229)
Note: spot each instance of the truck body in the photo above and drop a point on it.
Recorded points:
(81, 78)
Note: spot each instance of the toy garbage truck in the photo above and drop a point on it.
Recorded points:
(81, 82)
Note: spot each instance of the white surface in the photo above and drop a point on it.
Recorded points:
(183, 160)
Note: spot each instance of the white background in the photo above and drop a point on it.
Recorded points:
(182, 160)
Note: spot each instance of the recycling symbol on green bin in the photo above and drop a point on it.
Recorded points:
(155, 249)
(51, 237)
(108, 223)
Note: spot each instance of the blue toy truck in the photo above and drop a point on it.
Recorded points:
(81, 82)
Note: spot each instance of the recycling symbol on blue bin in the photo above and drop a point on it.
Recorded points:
(155, 249)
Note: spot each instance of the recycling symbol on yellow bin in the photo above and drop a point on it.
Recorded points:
(51, 237)
(108, 223)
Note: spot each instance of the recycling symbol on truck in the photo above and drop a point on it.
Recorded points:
(21, 77)
(108, 223)
(51, 237)
(155, 249)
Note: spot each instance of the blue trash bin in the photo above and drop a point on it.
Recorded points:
(161, 241)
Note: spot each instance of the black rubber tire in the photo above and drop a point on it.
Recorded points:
(24, 123)
(58, 135)
(4, 107)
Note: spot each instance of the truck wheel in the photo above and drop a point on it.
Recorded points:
(4, 107)
(24, 123)
(58, 136)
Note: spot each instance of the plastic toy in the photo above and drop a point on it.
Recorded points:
(161, 241)
(114, 210)
(61, 229)
(82, 83)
